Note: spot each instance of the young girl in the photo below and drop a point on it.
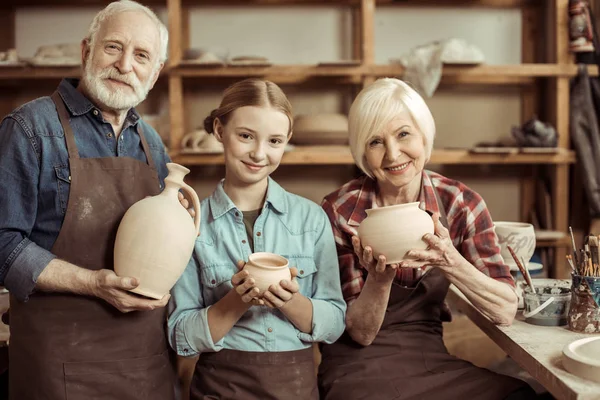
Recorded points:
(256, 347)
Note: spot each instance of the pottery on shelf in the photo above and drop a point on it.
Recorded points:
(267, 269)
(393, 230)
(582, 358)
(156, 237)
(320, 129)
(519, 236)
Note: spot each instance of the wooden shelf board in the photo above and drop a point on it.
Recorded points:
(562, 242)
(340, 155)
(491, 72)
(39, 72)
(461, 3)
(485, 74)
(412, 3)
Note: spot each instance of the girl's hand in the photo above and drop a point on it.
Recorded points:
(280, 294)
(245, 286)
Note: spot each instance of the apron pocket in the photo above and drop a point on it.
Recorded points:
(131, 379)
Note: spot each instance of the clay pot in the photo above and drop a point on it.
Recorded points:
(519, 236)
(156, 237)
(267, 269)
(320, 129)
(393, 230)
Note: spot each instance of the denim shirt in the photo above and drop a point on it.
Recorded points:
(289, 225)
(34, 166)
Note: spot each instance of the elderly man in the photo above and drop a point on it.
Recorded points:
(71, 165)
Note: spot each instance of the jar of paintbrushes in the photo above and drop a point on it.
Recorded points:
(584, 314)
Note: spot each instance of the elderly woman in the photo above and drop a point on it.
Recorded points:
(393, 346)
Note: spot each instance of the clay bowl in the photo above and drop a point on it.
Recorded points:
(267, 269)
(321, 129)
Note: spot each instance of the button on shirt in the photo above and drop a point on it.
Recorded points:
(35, 183)
(289, 225)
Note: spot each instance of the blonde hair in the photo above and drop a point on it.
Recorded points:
(250, 92)
(378, 104)
(121, 6)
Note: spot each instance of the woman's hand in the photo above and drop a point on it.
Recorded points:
(441, 252)
(280, 294)
(377, 269)
(245, 286)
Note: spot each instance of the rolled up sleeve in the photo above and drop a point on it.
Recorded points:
(329, 307)
(21, 260)
(189, 333)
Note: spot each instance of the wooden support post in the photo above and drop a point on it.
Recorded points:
(529, 101)
(367, 16)
(176, 113)
(558, 95)
(175, 32)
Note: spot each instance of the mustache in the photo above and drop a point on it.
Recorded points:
(112, 73)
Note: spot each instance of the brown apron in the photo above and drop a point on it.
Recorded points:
(408, 358)
(232, 374)
(73, 347)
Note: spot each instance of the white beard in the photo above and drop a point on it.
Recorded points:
(117, 99)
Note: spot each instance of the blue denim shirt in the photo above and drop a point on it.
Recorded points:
(34, 166)
(289, 225)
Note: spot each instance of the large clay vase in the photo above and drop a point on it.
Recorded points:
(156, 237)
(267, 269)
(393, 230)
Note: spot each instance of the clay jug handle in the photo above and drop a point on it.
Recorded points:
(191, 194)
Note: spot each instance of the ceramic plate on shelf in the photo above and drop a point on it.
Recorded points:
(531, 266)
(8, 64)
(341, 63)
(540, 150)
(462, 64)
(58, 62)
(582, 358)
(494, 150)
(548, 235)
(249, 63)
(203, 64)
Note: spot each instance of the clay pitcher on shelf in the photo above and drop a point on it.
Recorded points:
(156, 237)
(393, 230)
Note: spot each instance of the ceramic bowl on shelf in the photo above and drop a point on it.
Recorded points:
(321, 129)
(582, 358)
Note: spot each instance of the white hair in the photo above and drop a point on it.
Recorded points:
(117, 7)
(377, 105)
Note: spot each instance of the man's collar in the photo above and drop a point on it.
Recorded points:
(78, 104)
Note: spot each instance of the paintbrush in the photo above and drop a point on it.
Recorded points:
(570, 260)
(521, 267)
(574, 246)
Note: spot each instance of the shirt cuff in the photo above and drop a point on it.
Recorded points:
(193, 336)
(328, 323)
(23, 273)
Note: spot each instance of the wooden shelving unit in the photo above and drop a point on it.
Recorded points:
(546, 20)
(340, 155)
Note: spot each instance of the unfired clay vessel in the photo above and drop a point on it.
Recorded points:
(519, 236)
(393, 230)
(582, 358)
(267, 269)
(156, 237)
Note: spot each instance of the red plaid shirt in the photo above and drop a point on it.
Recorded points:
(471, 228)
